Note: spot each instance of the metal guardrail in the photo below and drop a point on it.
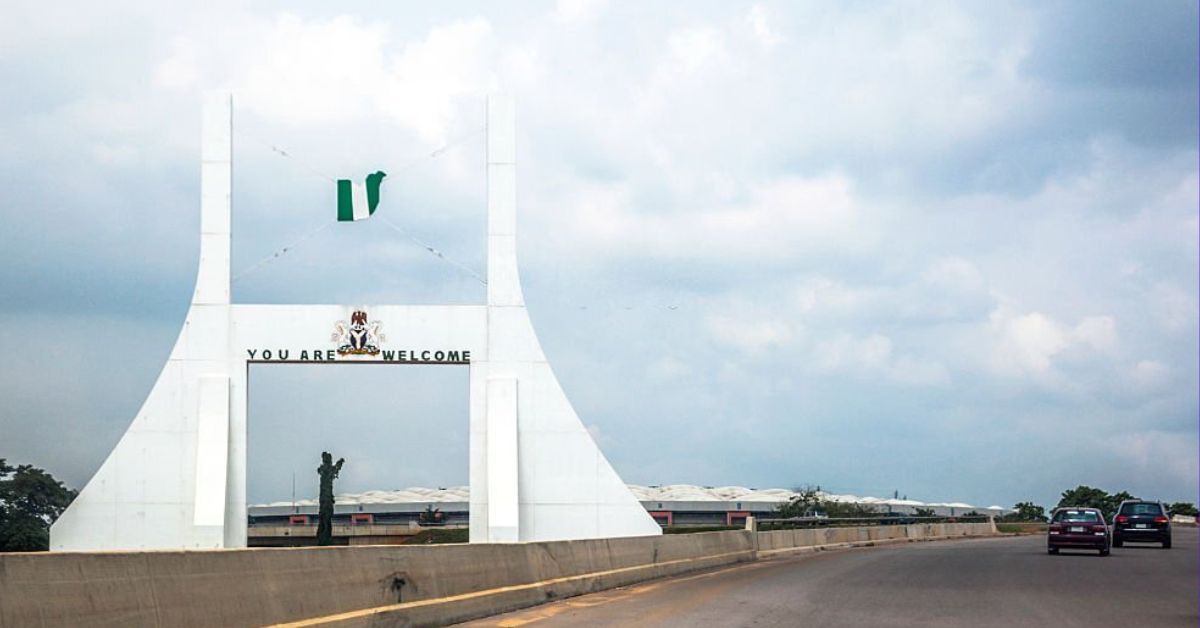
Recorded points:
(883, 519)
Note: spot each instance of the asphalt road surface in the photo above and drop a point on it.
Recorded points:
(1009, 582)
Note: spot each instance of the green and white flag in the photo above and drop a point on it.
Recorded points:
(356, 202)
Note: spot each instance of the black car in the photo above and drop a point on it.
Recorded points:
(1141, 521)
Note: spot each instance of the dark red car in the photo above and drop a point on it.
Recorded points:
(1142, 521)
(1078, 528)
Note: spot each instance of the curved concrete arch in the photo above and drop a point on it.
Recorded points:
(177, 477)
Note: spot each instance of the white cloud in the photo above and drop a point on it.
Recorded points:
(759, 22)
(954, 273)
(1150, 374)
(1036, 345)
(749, 336)
(783, 219)
(824, 295)
(428, 78)
(1028, 342)
(314, 71)
(181, 70)
(669, 368)
(1173, 307)
(694, 49)
(1097, 332)
(1157, 455)
(115, 154)
(846, 352)
(578, 11)
(874, 354)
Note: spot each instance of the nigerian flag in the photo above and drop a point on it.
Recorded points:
(356, 202)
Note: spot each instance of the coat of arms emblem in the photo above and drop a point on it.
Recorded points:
(359, 337)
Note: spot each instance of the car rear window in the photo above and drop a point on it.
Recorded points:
(1141, 509)
(1085, 516)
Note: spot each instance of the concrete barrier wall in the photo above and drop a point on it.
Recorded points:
(255, 587)
(415, 585)
(782, 540)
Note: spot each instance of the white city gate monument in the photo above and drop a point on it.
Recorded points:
(177, 478)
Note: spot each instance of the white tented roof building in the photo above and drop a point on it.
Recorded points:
(680, 498)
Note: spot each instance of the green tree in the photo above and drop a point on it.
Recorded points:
(923, 512)
(1085, 497)
(1114, 502)
(30, 500)
(328, 472)
(804, 503)
(1028, 511)
(810, 501)
(848, 510)
(1088, 497)
(1183, 508)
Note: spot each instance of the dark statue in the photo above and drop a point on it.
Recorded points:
(328, 472)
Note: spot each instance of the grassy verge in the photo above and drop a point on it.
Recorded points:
(694, 529)
(1021, 528)
(435, 536)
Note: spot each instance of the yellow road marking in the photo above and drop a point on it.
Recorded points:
(377, 610)
(549, 611)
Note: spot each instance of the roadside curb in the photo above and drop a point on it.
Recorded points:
(812, 549)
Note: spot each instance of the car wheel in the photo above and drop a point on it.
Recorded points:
(1052, 550)
(1104, 552)
(1118, 543)
(1167, 544)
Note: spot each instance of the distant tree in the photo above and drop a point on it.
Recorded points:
(924, 512)
(810, 501)
(1085, 497)
(1027, 511)
(848, 510)
(804, 503)
(1088, 497)
(30, 500)
(1183, 508)
(1114, 502)
(328, 472)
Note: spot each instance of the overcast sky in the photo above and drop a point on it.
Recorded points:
(945, 249)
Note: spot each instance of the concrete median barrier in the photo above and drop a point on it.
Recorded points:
(264, 586)
(777, 542)
(378, 585)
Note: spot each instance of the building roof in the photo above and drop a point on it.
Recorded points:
(667, 493)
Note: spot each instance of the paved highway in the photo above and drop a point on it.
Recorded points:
(1009, 582)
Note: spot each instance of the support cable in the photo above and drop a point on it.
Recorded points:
(280, 253)
(407, 166)
(436, 253)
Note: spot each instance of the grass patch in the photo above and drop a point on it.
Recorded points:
(1020, 528)
(694, 529)
(435, 536)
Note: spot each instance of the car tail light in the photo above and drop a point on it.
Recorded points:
(1122, 519)
(1160, 519)
(1098, 528)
